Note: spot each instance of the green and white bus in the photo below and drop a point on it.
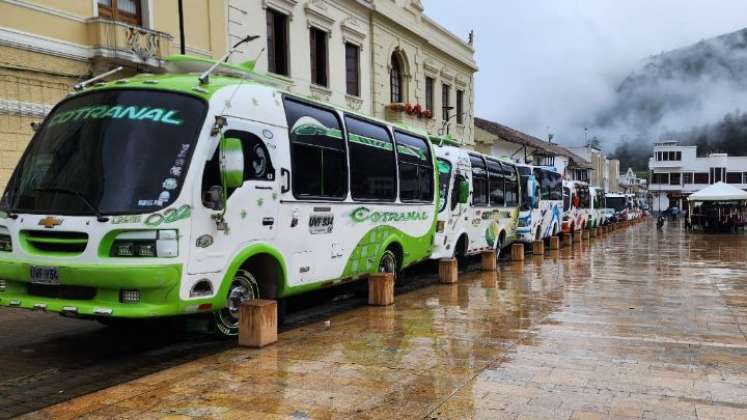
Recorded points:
(165, 195)
(479, 202)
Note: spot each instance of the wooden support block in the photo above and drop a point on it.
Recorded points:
(489, 262)
(586, 234)
(517, 252)
(258, 323)
(554, 243)
(381, 289)
(595, 232)
(448, 272)
(567, 239)
(538, 248)
(577, 236)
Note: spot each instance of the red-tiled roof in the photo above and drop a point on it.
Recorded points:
(511, 135)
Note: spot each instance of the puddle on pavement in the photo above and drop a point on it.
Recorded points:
(636, 323)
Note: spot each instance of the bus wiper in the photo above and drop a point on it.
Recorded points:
(96, 211)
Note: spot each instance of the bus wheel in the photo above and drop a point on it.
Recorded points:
(244, 287)
(389, 264)
(538, 235)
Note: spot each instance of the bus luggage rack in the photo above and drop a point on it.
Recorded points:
(61, 292)
(50, 242)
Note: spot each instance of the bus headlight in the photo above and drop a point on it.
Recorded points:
(6, 245)
(146, 244)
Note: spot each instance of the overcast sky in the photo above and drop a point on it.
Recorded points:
(547, 65)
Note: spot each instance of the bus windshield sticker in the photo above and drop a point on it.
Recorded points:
(118, 112)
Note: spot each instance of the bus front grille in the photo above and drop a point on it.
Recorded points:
(51, 242)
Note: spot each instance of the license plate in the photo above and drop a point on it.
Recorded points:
(45, 275)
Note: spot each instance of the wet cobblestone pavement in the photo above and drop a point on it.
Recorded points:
(637, 324)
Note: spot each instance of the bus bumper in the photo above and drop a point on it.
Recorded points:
(95, 290)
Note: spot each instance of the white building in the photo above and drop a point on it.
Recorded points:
(632, 183)
(599, 177)
(384, 58)
(677, 171)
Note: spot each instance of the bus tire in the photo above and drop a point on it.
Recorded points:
(389, 263)
(499, 244)
(243, 287)
(538, 234)
(460, 252)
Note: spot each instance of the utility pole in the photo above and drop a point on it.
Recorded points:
(182, 45)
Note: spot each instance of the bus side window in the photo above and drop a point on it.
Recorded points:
(480, 184)
(511, 181)
(556, 189)
(496, 181)
(257, 162)
(318, 153)
(211, 179)
(455, 191)
(415, 168)
(373, 171)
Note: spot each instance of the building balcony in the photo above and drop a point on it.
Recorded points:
(118, 43)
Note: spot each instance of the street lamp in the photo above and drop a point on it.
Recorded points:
(445, 125)
(182, 48)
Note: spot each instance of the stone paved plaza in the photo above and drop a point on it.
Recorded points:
(636, 324)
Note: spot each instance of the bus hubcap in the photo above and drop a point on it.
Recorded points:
(388, 264)
(242, 289)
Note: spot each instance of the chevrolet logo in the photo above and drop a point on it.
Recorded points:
(49, 222)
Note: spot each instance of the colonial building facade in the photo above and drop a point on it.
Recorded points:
(47, 46)
(384, 58)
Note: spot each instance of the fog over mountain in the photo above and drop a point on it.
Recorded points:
(693, 94)
(549, 66)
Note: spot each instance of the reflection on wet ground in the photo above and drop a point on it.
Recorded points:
(638, 324)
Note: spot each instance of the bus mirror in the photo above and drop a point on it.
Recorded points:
(232, 162)
(463, 192)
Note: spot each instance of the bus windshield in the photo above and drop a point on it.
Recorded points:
(109, 152)
(616, 203)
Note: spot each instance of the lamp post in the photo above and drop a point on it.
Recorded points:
(183, 48)
(445, 126)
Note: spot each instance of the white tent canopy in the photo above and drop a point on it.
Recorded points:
(719, 192)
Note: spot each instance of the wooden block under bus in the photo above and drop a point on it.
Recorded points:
(489, 262)
(258, 323)
(381, 289)
(595, 232)
(577, 236)
(538, 248)
(517, 252)
(586, 234)
(448, 272)
(554, 243)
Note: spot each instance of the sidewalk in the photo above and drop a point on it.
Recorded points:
(630, 326)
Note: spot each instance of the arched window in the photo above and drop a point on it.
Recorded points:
(396, 79)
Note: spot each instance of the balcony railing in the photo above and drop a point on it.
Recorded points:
(120, 42)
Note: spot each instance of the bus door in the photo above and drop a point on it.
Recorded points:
(251, 211)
